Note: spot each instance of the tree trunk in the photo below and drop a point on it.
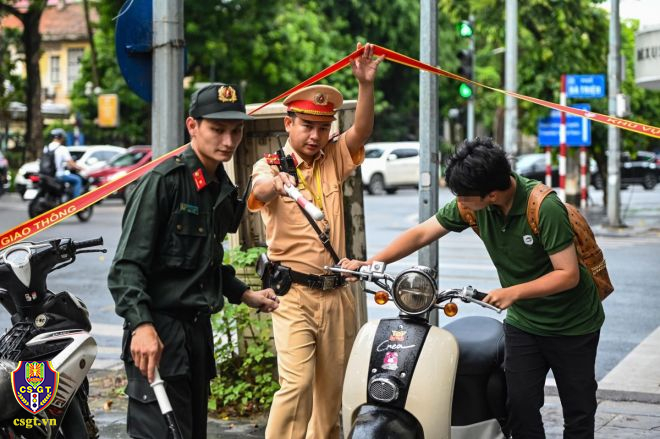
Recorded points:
(92, 47)
(31, 46)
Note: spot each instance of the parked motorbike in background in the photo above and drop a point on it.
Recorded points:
(46, 326)
(408, 379)
(49, 192)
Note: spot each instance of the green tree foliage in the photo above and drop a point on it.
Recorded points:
(555, 37)
(268, 47)
(30, 17)
(134, 113)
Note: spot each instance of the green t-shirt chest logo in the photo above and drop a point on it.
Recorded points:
(527, 239)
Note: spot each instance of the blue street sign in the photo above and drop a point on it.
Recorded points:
(133, 45)
(578, 129)
(585, 86)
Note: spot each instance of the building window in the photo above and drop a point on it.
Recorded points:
(73, 66)
(54, 69)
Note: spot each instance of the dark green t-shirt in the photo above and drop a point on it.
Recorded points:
(520, 256)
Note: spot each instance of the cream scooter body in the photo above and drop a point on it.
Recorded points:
(433, 368)
(406, 378)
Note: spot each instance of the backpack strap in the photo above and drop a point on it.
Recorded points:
(468, 216)
(536, 197)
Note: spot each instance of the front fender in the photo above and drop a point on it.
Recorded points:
(380, 422)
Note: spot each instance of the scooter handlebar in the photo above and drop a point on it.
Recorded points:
(89, 243)
(478, 297)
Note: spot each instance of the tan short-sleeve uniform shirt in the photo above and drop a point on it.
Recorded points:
(291, 239)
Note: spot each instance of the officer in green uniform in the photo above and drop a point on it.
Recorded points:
(167, 276)
(554, 313)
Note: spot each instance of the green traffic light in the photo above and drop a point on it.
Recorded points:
(464, 29)
(465, 91)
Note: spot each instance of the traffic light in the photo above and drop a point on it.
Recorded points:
(465, 29)
(466, 59)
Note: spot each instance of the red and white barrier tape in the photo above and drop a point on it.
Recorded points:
(54, 216)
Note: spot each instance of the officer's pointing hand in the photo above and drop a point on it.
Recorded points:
(264, 300)
(146, 349)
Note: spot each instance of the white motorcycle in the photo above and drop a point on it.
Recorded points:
(46, 326)
(408, 379)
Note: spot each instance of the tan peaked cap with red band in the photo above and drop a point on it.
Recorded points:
(315, 103)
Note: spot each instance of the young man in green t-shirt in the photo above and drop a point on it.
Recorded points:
(554, 313)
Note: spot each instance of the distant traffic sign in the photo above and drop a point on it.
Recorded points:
(585, 86)
(578, 129)
(133, 36)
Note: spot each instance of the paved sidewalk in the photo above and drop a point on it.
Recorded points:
(616, 418)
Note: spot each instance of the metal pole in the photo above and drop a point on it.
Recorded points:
(470, 102)
(167, 105)
(583, 177)
(613, 133)
(562, 142)
(428, 130)
(548, 166)
(511, 78)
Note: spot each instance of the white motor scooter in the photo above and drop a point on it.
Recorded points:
(408, 379)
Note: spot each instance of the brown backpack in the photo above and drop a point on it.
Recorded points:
(588, 252)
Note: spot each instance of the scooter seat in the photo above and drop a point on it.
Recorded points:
(480, 343)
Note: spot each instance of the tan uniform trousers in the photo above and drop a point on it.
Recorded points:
(314, 332)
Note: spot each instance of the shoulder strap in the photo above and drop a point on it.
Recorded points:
(325, 239)
(468, 216)
(536, 197)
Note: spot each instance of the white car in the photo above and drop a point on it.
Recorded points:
(90, 158)
(389, 166)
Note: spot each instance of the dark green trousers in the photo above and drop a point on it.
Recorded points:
(186, 366)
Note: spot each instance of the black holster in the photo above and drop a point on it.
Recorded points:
(274, 275)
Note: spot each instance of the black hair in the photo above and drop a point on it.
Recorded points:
(478, 167)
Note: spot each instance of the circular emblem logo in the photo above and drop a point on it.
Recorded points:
(40, 321)
(319, 99)
(227, 94)
(527, 239)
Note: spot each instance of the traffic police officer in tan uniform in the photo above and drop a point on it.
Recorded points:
(167, 276)
(315, 325)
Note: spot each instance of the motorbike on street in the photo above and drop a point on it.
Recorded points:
(49, 193)
(409, 379)
(46, 326)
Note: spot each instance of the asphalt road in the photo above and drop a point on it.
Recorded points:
(632, 311)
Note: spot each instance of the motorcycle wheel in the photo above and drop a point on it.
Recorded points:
(37, 207)
(86, 214)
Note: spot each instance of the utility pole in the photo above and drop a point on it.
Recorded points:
(613, 133)
(428, 130)
(511, 78)
(470, 103)
(167, 104)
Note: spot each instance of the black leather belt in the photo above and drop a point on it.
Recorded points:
(322, 282)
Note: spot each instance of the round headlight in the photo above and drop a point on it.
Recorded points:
(414, 291)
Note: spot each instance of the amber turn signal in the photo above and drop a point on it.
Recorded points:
(381, 297)
(450, 309)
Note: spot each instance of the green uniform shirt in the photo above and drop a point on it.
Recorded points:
(169, 256)
(520, 256)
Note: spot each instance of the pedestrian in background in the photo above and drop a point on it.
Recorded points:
(554, 312)
(315, 325)
(167, 276)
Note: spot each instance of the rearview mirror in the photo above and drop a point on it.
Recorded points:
(392, 157)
